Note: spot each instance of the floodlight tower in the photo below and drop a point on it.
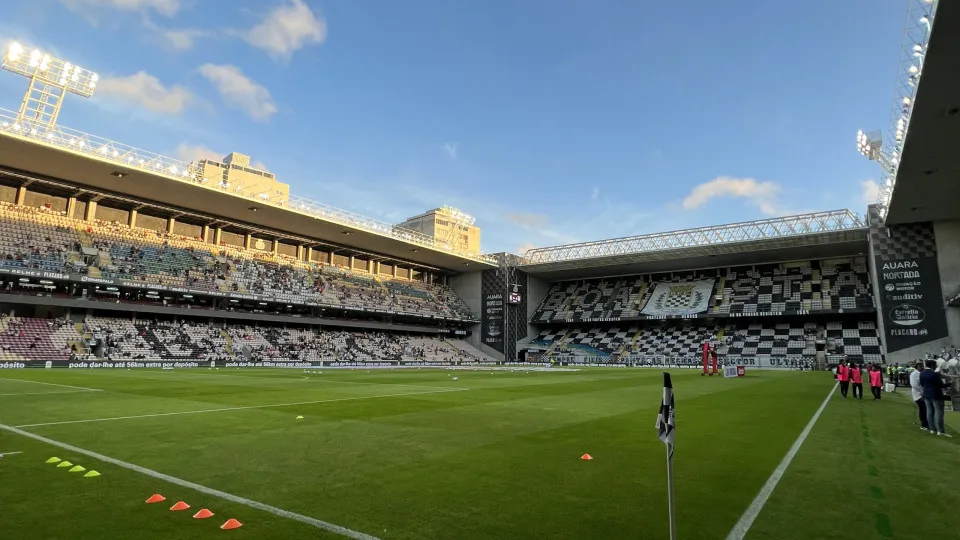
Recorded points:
(916, 38)
(51, 79)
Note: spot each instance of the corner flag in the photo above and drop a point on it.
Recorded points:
(665, 421)
(667, 429)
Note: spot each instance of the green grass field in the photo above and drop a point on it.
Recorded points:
(496, 455)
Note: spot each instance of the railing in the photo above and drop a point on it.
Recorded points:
(91, 146)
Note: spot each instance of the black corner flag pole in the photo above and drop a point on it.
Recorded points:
(666, 430)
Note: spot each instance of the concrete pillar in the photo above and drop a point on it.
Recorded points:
(216, 235)
(376, 268)
(205, 233)
(276, 246)
(71, 206)
(248, 240)
(350, 262)
(170, 224)
(394, 269)
(21, 194)
(300, 253)
(330, 258)
(309, 253)
(132, 221)
(91, 213)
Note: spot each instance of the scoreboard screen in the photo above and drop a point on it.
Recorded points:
(513, 295)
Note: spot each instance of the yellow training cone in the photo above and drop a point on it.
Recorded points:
(53, 460)
(77, 468)
(91, 474)
(64, 464)
(299, 418)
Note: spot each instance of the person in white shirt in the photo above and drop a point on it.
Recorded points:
(916, 393)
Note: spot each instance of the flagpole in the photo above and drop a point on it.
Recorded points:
(673, 520)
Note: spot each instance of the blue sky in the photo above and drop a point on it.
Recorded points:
(550, 121)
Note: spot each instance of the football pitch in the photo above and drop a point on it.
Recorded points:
(413, 454)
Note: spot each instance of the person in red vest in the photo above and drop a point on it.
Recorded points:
(843, 377)
(876, 381)
(856, 377)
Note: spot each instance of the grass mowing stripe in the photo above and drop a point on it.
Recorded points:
(246, 407)
(882, 520)
(49, 393)
(52, 384)
(330, 527)
(742, 527)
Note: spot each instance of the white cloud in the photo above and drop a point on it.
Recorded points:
(869, 191)
(763, 195)
(168, 8)
(259, 165)
(182, 39)
(287, 29)
(595, 194)
(147, 91)
(526, 220)
(522, 249)
(189, 153)
(451, 150)
(240, 91)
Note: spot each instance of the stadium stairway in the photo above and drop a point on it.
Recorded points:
(558, 343)
(86, 241)
(641, 295)
(469, 349)
(229, 346)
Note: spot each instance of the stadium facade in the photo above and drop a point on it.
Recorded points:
(229, 267)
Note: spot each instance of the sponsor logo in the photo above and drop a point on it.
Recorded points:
(907, 315)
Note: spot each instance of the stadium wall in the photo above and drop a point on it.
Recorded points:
(537, 290)
(470, 288)
(948, 253)
(907, 285)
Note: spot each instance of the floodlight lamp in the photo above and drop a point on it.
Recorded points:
(14, 52)
(906, 102)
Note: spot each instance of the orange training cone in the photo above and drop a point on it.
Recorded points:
(203, 514)
(231, 524)
(586, 457)
(155, 498)
(179, 506)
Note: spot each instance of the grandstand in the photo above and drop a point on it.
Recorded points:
(111, 252)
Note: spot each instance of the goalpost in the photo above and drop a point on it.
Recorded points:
(709, 360)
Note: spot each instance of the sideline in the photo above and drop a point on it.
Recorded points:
(742, 527)
(330, 527)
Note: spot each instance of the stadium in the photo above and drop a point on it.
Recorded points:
(198, 333)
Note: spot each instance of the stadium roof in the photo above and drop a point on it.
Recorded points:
(61, 153)
(809, 236)
(926, 185)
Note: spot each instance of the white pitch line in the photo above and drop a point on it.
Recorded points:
(2, 454)
(50, 393)
(742, 527)
(237, 408)
(330, 527)
(53, 384)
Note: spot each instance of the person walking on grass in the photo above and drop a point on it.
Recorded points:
(933, 387)
(916, 393)
(856, 378)
(876, 381)
(843, 377)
